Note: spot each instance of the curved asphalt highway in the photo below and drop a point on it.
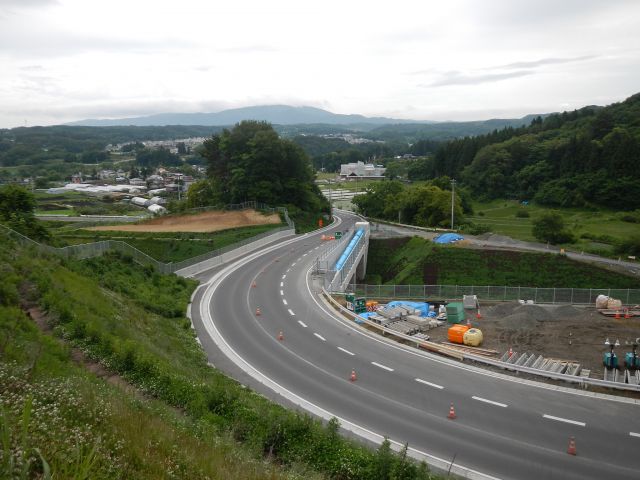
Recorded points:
(504, 428)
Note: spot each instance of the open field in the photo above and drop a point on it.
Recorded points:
(201, 222)
(75, 204)
(602, 227)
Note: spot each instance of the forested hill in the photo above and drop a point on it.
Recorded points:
(572, 159)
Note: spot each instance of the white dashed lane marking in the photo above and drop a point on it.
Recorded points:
(565, 420)
(384, 367)
(346, 351)
(634, 434)
(284, 276)
(320, 337)
(434, 385)
(490, 402)
(302, 323)
(284, 301)
(281, 292)
(291, 313)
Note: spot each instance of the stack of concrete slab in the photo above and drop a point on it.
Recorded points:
(392, 313)
(422, 322)
(403, 327)
(381, 320)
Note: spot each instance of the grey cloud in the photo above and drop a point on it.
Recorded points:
(542, 62)
(459, 78)
(248, 49)
(63, 44)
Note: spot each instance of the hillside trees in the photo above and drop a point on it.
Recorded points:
(588, 156)
(251, 162)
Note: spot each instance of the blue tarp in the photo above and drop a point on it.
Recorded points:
(448, 238)
(422, 307)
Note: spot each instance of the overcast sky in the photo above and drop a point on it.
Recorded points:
(64, 60)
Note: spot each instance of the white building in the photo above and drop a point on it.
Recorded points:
(361, 170)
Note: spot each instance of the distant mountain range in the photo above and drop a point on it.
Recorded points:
(276, 114)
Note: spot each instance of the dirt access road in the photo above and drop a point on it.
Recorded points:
(198, 223)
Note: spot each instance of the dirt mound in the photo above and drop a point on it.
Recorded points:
(198, 223)
(568, 311)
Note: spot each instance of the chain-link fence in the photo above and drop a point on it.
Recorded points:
(573, 296)
(94, 249)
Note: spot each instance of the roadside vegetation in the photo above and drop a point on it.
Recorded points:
(167, 246)
(185, 419)
(417, 261)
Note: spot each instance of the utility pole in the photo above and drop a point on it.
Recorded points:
(453, 196)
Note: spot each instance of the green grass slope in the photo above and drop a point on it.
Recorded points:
(184, 419)
(417, 261)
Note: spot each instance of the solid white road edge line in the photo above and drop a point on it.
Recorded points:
(320, 337)
(302, 323)
(346, 351)
(384, 367)
(434, 385)
(222, 344)
(565, 420)
(491, 402)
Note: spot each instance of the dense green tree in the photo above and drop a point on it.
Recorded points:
(550, 228)
(17, 206)
(251, 162)
(156, 158)
(380, 199)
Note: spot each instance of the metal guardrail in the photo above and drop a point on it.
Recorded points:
(94, 249)
(558, 295)
(582, 381)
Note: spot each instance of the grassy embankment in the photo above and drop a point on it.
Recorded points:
(417, 261)
(596, 230)
(165, 247)
(183, 420)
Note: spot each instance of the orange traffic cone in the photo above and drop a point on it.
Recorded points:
(353, 377)
(281, 336)
(478, 316)
(258, 312)
(627, 314)
(617, 314)
(572, 446)
(452, 413)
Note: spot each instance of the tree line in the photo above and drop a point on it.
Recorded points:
(572, 159)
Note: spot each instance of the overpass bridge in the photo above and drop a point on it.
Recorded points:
(346, 259)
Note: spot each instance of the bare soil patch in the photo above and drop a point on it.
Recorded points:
(563, 332)
(199, 223)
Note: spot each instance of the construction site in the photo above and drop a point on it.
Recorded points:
(578, 341)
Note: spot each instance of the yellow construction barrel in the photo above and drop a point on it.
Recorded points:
(472, 337)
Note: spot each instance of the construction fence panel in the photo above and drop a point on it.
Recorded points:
(558, 296)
